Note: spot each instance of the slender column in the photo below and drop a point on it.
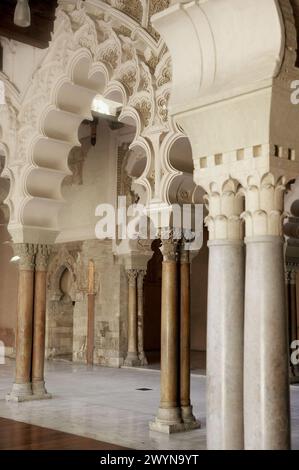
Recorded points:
(132, 356)
(225, 318)
(22, 389)
(91, 297)
(168, 418)
(39, 324)
(141, 353)
(266, 374)
(292, 314)
(186, 408)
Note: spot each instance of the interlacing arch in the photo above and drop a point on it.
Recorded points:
(104, 52)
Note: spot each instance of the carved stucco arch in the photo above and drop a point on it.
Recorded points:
(62, 261)
(88, 54)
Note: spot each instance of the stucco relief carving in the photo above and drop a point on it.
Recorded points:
(264, 212)
(225, 204)
(59, 262)
(92, 51)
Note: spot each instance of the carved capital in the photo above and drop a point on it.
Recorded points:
(26, 252)
(290, 276)
(264, 201)
(225, 204)
(42, 257)
(169, 248)
(132, 276)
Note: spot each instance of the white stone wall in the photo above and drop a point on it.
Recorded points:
(20, 62)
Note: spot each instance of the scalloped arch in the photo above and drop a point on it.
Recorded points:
(75, 69)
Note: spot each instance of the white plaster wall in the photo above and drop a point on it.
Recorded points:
(20, 61)
(77, 218)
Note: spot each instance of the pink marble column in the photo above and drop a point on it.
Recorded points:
(39, 323)
(22, 388)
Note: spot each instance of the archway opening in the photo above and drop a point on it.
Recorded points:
(152, 306)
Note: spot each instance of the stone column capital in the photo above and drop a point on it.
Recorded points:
(42, 257)
(170, 239)
(26, 252)
(132, 276)
(225, 203)
(264, 201)
(290, 275)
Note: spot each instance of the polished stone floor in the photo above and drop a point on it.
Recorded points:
(105, 404)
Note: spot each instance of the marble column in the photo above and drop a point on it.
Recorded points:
(22, 388)
(39, 323)
(291, 275)
(266, 364)
(168, 419)
(141, 353)
(225, 337)
(185, 342)
(132, 358)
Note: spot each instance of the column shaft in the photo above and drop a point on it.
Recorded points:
(169, 337)
(141, 353)
(185, 342)
(225, 346)
(24, 327)
(39, 327)
(132, 356)
(168, 418)
(22, 388)
(225, 328)
(266, 382)
(39, 324)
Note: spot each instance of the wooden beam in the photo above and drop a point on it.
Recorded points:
(42, 19)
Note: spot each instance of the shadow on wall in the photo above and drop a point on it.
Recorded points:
(152, 305)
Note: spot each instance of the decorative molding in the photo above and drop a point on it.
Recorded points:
(225, 204)
(132, 275)
(264, 198)
(94, 49)
(42, 257)
(26, 253)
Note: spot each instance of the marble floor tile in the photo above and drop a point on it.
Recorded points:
(104, 404)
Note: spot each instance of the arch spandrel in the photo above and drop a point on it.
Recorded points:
(94, 49)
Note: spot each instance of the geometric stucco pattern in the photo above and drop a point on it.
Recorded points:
(94, 49)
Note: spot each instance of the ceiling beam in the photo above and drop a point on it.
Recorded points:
(42, 19)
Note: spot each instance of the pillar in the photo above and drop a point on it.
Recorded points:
(22, 388)
(292, 316)
(185, 342)
(266, 368)
(132, 356)
(39, 323)
(225, 318)
(141, 353)
(169, 418)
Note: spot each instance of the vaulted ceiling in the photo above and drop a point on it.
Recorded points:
(42, 19)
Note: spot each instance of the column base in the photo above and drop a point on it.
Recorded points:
(132, 360)
(23, 392)
(20, 392)
(169, 421)
(39, 391)
(142, 359)
(189, 418)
